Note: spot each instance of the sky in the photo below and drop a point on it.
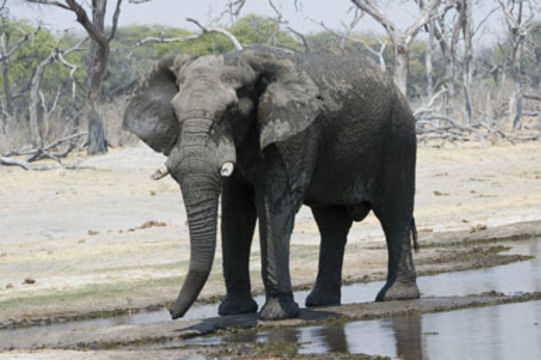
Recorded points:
(174, 13)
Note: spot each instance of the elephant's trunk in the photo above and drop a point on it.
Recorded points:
(200, 193)
(196, 165)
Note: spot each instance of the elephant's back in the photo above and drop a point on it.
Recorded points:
(346, 79)
(360, 105)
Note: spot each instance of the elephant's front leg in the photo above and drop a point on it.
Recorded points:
(238, 222)
(276, 208)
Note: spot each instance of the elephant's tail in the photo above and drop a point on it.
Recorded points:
(414, 234)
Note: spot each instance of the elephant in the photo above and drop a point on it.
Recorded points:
(270, 130)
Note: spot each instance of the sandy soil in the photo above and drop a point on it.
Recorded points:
(105, 237)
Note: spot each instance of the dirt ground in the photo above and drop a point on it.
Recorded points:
(105, 238)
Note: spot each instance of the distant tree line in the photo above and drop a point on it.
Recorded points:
(45, 86)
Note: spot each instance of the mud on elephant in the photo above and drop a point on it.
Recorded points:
(271, 130)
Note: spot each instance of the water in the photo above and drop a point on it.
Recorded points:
(510, 331)
(512, 278)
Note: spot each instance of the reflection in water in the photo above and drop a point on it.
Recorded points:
(330, 338)
(408, 333)
(334, 337)
(509, 331)
(288, 335)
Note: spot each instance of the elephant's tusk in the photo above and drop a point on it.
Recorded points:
(227, 169)
(160, 173)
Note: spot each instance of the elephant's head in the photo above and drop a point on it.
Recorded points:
(196, 110)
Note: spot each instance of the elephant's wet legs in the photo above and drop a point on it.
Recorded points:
(334, 224)
(401, 277)
(276, 217)
(238, 222)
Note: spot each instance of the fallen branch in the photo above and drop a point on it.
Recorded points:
(43, 154)
(46, 148)
(12, 162)
(453, 125)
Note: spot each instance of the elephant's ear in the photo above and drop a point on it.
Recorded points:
(290, 102)
(149, 114)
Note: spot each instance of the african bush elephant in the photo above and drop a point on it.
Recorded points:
(271, 130)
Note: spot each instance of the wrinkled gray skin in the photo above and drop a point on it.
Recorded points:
(331, 132)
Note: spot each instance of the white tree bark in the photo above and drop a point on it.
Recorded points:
(400, 39)
(513, 11)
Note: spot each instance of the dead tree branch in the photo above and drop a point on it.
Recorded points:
(400, 39)
(429, 107)
(224, 32)
(35, 89)
(204, 31)
(280, 20)
(378, 53)
(233, 9)
(7, 53)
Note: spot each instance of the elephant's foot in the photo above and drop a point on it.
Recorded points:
(237, 304)
(280, 307)
(399, 290)
(318, 297)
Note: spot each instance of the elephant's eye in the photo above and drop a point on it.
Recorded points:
(230, 112)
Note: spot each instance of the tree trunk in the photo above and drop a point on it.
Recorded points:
(517, 102)
(97, 142)
(467, 33)
(516, 59)
(8, 96)
(99, 54)
(428, 61)
(400, 75)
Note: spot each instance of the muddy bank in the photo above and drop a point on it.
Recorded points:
(121, 336)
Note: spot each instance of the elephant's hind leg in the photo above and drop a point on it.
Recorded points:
(334, 224)
(401, 277)
(238, 222)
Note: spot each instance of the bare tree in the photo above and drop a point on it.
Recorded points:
(99, 56)
(400, 39)
(453, 30)
(35, 90)
(518, 24)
